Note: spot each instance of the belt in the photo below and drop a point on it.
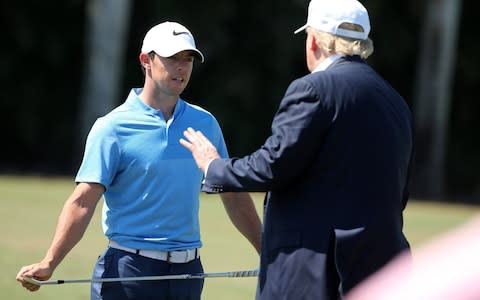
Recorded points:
(179, 256)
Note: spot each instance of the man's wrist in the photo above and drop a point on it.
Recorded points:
(206, 168)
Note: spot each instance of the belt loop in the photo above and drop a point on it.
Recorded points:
(169, 256)
(137, 251)
(196, 253)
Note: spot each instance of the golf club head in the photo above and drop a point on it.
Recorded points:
(32, 280)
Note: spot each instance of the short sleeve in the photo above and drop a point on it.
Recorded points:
(101, 157)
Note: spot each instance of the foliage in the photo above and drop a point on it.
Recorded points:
(251, 56)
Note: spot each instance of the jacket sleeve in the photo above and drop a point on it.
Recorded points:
(302, 120)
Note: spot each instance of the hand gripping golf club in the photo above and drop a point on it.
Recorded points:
(246, 273)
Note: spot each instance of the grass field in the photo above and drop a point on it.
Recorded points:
(30, 206)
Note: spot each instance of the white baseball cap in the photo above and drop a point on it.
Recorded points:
(327, 15)
(169, 38)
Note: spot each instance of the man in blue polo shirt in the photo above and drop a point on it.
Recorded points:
(150, 183)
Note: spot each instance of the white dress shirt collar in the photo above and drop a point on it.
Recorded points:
(326, 63)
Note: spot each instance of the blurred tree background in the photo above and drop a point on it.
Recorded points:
(251, 57)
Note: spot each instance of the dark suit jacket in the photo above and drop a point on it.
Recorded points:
(336, 170)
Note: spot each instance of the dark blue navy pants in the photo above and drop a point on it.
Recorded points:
(118, 263)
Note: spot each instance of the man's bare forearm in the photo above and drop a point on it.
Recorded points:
(73, 221)
(241, 210)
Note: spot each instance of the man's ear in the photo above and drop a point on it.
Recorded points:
(313, 43)
(144, 60)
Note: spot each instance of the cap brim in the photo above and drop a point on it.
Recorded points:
(198, 54)
(195, 52)
(300, 29)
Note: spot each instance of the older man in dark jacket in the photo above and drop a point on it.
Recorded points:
(336, 165)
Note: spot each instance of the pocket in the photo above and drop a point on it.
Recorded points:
(108, 261)
(100, 265)
(110, 270)
(96, 288)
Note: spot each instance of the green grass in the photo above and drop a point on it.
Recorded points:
(30, 206)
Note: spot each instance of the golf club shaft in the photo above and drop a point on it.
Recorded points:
(246, 273)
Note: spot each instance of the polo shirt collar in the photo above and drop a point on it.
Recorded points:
(135, 101)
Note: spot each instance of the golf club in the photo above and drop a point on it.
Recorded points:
(246, 273)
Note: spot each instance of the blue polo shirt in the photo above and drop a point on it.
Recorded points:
(152, 184)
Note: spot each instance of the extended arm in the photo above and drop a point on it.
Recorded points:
(71, 225)
(298, 131)
(242, 213)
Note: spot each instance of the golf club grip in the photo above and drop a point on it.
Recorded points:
(246, 273)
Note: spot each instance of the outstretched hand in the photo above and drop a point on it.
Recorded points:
(202, 149)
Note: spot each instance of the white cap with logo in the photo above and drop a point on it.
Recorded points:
(169, 38)
(327, 15)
